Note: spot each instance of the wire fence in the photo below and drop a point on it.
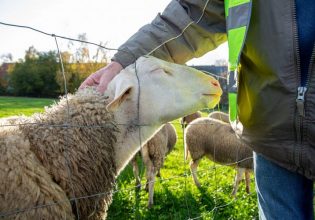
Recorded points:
(183, 177)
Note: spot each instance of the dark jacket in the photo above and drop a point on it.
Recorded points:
(269, 74)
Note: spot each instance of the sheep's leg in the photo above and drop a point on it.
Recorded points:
(247, 180)
(150, 181)
(193, 169)
(135, 169)
(238, 178)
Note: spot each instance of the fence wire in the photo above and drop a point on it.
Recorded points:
(186, 175)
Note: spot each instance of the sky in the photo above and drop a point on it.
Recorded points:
(110, 22)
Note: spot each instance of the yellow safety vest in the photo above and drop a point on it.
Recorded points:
(237, 13)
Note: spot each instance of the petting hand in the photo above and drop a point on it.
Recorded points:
(102, 77)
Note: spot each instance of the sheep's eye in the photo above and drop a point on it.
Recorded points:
(157, 70)
(168, 72)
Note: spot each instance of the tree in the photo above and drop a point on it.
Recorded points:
(6, 58)
(36, 75)
(80, 64)
(6, 66)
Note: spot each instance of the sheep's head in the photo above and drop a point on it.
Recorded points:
(165, 91)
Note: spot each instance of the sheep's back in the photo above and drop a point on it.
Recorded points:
(222, 116)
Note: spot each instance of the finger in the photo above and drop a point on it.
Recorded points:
(102, 87)
(104, 81)
(88, 82)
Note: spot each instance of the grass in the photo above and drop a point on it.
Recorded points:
(176, 197)
(20, 105)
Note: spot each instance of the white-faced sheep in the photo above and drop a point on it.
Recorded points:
(153, 156)
(62, 164)
(216, 140)
(222, 116)
(189, 118)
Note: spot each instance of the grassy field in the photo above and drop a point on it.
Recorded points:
(176, 196)
(20, 105)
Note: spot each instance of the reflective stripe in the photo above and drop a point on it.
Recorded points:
(233, 3)
(238, 16)
(235, 42)
(238, 13)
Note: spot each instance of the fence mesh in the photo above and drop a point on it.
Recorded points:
(176, 196)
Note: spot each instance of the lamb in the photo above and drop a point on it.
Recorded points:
(216, 140)
(220, 116)
(153, 155)
(189, 118)
(62, 163)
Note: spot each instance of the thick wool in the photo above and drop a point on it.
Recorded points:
(160, 145)
(59, 164)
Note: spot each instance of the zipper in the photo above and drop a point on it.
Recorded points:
(300, 90)
(300, 100)
(310, 67)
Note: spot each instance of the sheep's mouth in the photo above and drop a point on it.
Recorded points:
(211, 95)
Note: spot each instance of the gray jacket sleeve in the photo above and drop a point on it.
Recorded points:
(206, 32)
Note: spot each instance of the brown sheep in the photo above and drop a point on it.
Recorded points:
(153, 154)
(222, 116)
(216, 140)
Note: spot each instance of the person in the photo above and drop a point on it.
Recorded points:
(271, 53)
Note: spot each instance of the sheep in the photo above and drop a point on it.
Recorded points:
(153, 155)
(11, 120)
(189, 118)
(222, 116)
(216, 140)
(62, 163)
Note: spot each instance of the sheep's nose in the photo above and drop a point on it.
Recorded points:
(215, 83)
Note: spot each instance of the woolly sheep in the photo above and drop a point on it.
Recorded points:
(216, 140)
(62, 164)
(189, 118)
(153, 155)
(222, 116)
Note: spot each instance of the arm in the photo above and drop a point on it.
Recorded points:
(193, 41)
(186, 29)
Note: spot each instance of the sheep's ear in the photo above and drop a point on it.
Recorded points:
(119, 98)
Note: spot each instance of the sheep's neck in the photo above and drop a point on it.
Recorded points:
(129, 142)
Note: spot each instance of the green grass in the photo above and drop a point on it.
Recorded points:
(20, 105)
(176, 197)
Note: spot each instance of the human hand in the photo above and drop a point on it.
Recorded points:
(102, 77)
